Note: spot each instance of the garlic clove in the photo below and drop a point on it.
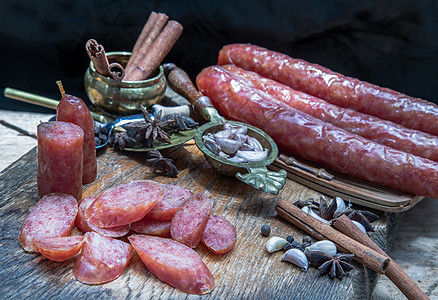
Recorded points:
(316, 216)
(211, 144)
(324, 246)
(228, 146)
(226, 134)
(237, 159)
(296, 257)
(359, 225)
(340, 207)
(252, 155)
(254, 143)
(275, 243)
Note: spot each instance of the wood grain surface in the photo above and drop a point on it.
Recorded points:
(247, 272)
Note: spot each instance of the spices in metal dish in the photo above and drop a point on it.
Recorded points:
(266, 230)
(234, 144)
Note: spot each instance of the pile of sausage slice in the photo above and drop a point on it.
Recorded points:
(164, 223)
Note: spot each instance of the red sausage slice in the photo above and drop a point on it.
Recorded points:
(152, 227)
(219, 235)
(85, 226)
(174, 196)
(53, 216)
(125, 203)
(174, 263)
(190, 220)
(102, 259)
(60, 248)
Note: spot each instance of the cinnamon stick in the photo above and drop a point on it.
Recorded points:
(394, 272)
(159, 49)
(97, 55)
(319, 230)
(116, 71)
(148, 35)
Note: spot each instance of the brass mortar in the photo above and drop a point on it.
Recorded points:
(123, 97)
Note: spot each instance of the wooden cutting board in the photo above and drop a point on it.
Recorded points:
(247, 272)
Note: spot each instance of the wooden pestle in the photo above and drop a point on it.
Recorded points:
(394, 272)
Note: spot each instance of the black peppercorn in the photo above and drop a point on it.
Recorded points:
(290, 238)
(288, 246)
(296, 244)
(307, 239)
(306, 244)
(266, 230)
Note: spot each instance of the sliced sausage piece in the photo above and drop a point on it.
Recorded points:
(59, 156)
(174, 196)
(53, 216)
(190, 220)
(72, 109)
(85, 226)
(60, 248)
(381, 131)
(152, 227)
(124, 203)
(102, 259)
(174, 263)
(300, 134)
(336, 88)
(219, 235)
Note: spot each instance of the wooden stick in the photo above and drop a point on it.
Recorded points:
(406, 285)
(148, 35)
(319, 230)
(157, 52)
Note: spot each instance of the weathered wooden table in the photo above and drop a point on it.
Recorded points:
(247, 272)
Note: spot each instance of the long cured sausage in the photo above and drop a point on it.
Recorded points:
(300, 134)
(334, 87)
(381, 131)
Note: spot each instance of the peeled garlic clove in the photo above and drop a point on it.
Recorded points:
(340, 207)
(237, 129)
(275, 244)
(296, 257)
(252, 155)
(228, 146)
(226, 134)
(237, 159)
(210, 144)
(324, 246)
(254, 143)
(359, 225)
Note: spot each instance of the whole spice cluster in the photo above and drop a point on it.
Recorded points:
(322, 254)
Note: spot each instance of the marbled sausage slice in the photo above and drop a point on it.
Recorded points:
(102, 259)
(124, 203)
(85, 226)
(190, 220)
(174, 263)
(53, 216)
(152, 227)
(219, 235)
(60, 248)
(174, 196)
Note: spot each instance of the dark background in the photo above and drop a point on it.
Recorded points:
(392, 43)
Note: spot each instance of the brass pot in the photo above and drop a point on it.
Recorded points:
(123, 97)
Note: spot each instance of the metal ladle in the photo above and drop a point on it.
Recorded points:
(107, 122)
(255, 173)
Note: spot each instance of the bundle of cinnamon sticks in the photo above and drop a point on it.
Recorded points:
(155, 41)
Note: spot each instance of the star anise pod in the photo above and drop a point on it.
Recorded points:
(123, 140)
(155, 129)
(161, 164)
(327, 211)
(364, 217)
(335, 266)
(181, 123)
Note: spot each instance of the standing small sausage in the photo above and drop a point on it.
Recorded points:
(381, 131)
(333, 87)
(72, 109)
(59, 155)
(300, 134)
